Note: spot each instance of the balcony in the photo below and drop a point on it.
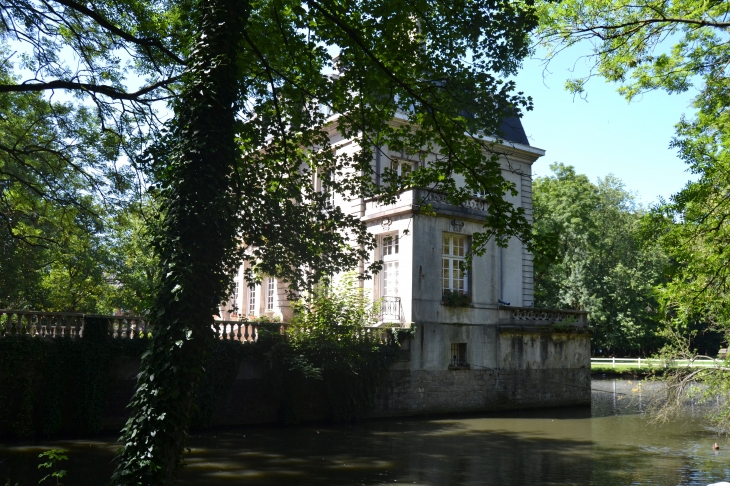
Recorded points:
(388, 310)
(411, 200)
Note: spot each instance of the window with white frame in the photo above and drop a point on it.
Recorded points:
(389, 247)
(402, 167)
(455, 248)
(251, 307)
(270, 293)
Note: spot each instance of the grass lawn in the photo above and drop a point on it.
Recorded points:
(621, 369)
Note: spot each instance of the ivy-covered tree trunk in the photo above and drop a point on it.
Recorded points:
(195, 246)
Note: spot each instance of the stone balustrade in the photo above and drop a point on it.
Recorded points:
(535, 316)
(68, 324)
(246, 331)
(41, 324)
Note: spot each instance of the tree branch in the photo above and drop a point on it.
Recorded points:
(645, 22)
(106, 24)
(109, 91)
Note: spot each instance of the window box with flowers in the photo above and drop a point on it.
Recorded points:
(456, 298)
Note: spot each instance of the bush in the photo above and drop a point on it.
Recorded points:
(328, 341)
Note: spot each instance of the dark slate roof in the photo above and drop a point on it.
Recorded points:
(511, 131)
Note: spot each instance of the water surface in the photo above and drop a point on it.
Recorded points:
(609, 443)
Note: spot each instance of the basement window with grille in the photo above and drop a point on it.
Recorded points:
(458, 357)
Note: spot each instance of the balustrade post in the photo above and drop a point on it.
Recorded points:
(57, 330)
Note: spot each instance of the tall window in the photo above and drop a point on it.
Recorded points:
(270, 292)
(251, 301)
(453, 263)
(389, 274)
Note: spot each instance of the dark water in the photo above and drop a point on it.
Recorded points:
(609, 443)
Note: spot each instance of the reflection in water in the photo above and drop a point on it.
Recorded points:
(610, 443)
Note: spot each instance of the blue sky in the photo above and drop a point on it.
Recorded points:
(605, 134)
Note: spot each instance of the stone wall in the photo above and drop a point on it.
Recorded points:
(410, 393)
(456, 391)
(404, 392)
(510, 367)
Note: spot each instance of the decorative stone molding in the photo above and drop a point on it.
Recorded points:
(457, 226)
(470, 204)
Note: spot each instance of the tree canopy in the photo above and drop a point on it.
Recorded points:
(673, 46)
(592, 254)
(645, 45)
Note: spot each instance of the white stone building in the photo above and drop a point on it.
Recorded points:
(496, 352)
(421, 254)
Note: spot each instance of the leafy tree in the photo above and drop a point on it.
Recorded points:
(671, 46)
(327, 341)
(645, 45)
(591, 255)
(133, 266)
(674, 46)
(51, 252)
(236, 163)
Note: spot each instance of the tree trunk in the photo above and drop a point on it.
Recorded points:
(196, 247)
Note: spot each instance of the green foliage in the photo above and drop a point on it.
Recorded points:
(236, 164)
(327, 341)
(673, 46)
(58, 197)
(133, 269)
(62, 385)
(646, 45)
(592, 254)
(50, 386)
(53, 457)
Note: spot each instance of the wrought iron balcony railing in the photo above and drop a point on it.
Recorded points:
(389, 310)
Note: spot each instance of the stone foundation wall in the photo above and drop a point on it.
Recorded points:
(537, 370)
(409, 393)
(453, 391)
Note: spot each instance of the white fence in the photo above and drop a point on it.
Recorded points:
(656, 363)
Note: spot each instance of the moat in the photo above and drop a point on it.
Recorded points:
(609, 443)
